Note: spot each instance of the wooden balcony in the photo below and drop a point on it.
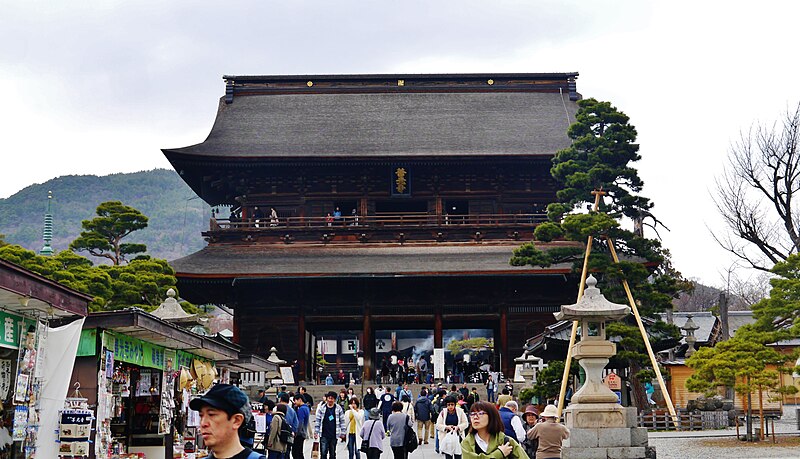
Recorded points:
(402, 228)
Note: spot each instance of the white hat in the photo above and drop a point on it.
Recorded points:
(550, 411)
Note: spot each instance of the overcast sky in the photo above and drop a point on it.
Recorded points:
(97, 87)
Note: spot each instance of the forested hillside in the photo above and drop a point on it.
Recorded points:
(177, 215)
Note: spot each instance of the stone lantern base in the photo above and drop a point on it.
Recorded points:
(604, 431)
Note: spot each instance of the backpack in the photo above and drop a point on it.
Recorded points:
(286, 435)
(410, 439)
(255, 455)
(436, 408)
(269, 424)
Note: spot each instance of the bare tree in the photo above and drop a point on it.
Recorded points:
(755, 194)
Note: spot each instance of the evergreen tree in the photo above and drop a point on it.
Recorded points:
(780, 312)
(745, 363)
(66, 268)
(599, 159)
(143, 282)
(102, 236)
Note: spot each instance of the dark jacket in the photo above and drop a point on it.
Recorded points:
(370, 401)
(506, 415)
(422, 408)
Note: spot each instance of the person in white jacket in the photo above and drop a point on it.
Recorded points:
(408, 407)
(452, 419)
(354, 420)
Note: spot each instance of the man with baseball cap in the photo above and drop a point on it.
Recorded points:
(223, 410)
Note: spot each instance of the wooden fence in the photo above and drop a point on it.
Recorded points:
(703, 420)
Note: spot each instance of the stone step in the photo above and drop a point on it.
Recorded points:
(318, 392)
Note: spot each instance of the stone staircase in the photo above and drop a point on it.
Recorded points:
(318, 391)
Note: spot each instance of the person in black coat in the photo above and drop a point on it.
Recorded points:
(370, 400)
(386, 406)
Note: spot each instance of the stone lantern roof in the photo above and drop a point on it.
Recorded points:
(593, 305)
(171, 311)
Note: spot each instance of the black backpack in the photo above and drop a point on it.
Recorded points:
(410, 440)
(286, 435)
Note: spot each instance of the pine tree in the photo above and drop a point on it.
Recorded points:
(599, 159)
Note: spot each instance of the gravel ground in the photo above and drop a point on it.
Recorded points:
(715, 444)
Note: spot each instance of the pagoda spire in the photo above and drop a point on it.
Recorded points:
(47, 234)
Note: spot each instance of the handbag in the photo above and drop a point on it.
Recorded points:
(315, 450)
(365, 442)
(410, 440)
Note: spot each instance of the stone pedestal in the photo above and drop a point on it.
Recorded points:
(599, 427)
(618, 438)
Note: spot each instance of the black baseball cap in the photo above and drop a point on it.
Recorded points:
(225, 397)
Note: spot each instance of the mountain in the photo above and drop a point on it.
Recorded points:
(177, 215)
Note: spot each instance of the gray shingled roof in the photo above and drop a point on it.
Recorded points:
(389, 124)
(304, 260)
(703, 319)
(738, 318)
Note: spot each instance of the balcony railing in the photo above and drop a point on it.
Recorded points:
(383, 221)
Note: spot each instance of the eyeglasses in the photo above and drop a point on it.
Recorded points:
(477, 414)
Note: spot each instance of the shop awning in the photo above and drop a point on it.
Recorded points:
(137, 323)
(26, 293)
(247, 363)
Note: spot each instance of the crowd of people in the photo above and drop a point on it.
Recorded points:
(455, 420)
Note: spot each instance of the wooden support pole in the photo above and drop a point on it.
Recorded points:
(568, 362)
(639, 322)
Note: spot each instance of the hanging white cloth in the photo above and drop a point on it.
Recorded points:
(61, 349)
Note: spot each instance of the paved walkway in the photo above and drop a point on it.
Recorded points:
(696, 444)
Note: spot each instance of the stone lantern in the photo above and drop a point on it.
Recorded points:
(599, 425)
(274, 375)
(527, 368)
(690, 327)
(593, 350)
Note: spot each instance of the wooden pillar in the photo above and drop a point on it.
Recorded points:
(437, 329)
(237, 317)
(505, 358)
(367, 343)
(301, 344)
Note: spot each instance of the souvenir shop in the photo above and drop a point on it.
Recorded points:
(31, 354)
(141, 372)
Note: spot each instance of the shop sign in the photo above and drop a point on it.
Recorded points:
(138, 352)
(613, 382)
(87, 346)
(11, 324)
(5, 378)
(183, 359)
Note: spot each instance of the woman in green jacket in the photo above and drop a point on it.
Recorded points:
(486, 439)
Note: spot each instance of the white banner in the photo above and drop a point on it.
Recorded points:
(350, 346)
(326, 347)
(62, 346)
(438, 363)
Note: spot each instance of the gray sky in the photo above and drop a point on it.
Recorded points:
(97, 87)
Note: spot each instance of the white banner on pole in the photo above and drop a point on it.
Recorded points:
(438, 363)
